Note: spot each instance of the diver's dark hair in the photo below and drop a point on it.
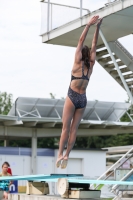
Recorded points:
(86, 56)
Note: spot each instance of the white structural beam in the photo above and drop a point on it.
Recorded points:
(116, 65)
(54, 130)
(33, 152)
(30, 124)
(12, 123)
(116, 156)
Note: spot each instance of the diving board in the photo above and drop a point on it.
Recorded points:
(65, 184)
(105, 182)
(38, 177)
(72, 178)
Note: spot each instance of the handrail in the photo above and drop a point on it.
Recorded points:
(113, 171)
(68, 6)
(123, 49)
(123, 179)
(49, 4)
(113, 166)
(111, 2)
(116, 186)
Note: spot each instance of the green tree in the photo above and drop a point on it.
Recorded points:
(5, 103)
(52, 95)
(5, 106)
(20, 143)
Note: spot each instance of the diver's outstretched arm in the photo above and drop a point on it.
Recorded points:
(94, 43)
(78, 54)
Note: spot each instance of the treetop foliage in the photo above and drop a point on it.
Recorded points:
(5, 103)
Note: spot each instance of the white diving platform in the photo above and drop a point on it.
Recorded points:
(117, 23)
(111, 54)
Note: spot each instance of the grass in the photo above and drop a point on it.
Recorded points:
(107, 199)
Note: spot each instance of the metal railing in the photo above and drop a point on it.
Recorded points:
(123, 179)
(80, 8)
(50, 10)
(112, 1)
(118, 164)
(123, 49)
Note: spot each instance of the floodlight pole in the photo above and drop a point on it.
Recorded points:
(117, 67)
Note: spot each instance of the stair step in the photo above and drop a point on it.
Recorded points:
(102, 53)
(131, 88)
(123, 70)
(120, 63)
(123, 58)
(128, 76)
(106, 59)
(129, 83)
(100, 46)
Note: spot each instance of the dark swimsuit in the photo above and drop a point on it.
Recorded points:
(79, 100)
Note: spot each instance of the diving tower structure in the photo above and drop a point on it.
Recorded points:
(111, 54)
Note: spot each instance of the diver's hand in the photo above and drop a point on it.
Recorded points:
(93, 20)
(99, 22)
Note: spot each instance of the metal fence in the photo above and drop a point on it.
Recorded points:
(54, 15)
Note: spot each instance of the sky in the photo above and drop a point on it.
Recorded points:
(30, 68)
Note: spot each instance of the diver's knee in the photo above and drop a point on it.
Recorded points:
(66, 130)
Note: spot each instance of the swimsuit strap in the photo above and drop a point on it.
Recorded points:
(88, 72)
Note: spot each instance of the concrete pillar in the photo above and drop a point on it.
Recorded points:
(6, 142)
(34, 152)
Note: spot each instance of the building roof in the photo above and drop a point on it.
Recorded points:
(51, 109)
(44, 117)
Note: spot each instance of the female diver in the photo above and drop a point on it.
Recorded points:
(76, 100)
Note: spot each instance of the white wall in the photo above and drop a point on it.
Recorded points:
(20, 164)
(87, 162)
